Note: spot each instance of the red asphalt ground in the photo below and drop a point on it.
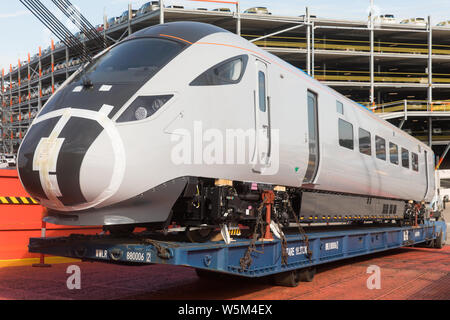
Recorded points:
(406, 273)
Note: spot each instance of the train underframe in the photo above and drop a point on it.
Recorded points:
(207, 206)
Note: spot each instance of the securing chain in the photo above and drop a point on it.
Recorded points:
(163, 252)
(284, 254)
(300, 229)
(246, 261)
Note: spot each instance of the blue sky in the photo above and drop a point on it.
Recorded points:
(23, 33)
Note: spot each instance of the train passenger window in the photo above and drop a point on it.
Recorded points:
(345, 134)
(415, 161)
(230, 71)
(365, 145)
(405, 158)
(339, 107)
(262, 91)
(380, 145)
(393, 152)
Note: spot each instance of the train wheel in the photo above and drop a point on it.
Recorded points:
(287, 279)
(307, 275)
(200, 235)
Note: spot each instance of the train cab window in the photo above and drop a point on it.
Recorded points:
(339, 107)
(346, 134)
(227, 72)
(380, 145)
(393, 152)
(365, 145)
(405, 158)
(415, 161)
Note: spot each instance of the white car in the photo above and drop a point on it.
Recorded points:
(257, 10)
(416, 21)
(10, 160)
(385, 19)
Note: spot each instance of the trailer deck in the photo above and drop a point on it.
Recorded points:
(328, 244)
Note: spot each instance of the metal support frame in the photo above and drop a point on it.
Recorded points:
(430, 132)
(130, 16)
(161, 11)
(372, 60)
(277, 32)
(430, 64)
(308, 42)
(441, 159)
(238, 18)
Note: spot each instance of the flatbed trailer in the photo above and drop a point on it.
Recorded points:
(303, 252)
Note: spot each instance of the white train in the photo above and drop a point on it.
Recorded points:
(106, 148)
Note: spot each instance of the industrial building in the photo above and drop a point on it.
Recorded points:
(399, 70)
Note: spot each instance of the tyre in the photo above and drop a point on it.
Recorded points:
(306, 275)
(439, 242)
(287, 279)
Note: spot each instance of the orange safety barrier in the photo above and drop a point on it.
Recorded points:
(20, 222)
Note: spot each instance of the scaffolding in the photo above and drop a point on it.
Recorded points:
(361, 59)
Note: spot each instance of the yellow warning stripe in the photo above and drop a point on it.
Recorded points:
(18, 201)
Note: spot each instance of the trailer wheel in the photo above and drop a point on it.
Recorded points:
(206, 274)
(287, 279)
(439, 242)
(306, 275)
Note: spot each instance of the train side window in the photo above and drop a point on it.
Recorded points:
(339, 107)
(393, 152)
(405, 158)
(365, 145)
(415, 161)
(346, 134)
(380, 145)
(262, 91)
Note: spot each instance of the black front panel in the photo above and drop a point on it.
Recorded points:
(30, 178)
(79, 135)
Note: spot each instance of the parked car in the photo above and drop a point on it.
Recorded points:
(148, 7)
(175, 7)
(385, 19)
(202, 9)
(222, 9)
(125, 15)
(444, 24)
(10, 160)
(112, 22)
(258, 10)
(415, 21)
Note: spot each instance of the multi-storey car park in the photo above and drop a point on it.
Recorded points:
(400, 70)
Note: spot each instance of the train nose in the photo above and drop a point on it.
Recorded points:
(66, 163)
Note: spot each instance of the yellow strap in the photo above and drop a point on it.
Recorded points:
(14, 200)
(4, 200)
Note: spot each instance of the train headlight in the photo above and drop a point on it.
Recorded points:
(144, 107)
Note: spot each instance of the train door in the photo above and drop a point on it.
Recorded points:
(313, 139)
(262, 117)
